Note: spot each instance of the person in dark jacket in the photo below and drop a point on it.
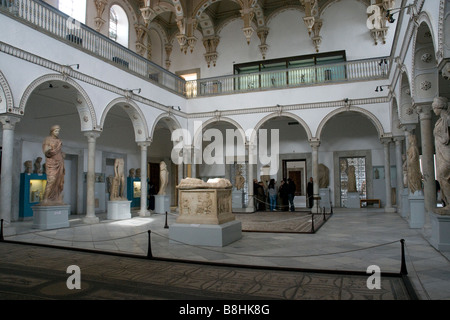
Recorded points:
(310, 192)
(291, 194)
(283, 191)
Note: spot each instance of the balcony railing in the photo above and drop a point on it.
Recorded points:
(51, 21)
(351, 71)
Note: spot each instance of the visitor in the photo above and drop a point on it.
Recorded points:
(283, 192)
(151, 196)
(291, 194)
(255, 194)
(272, 191)
(261, 196)
(310, 192)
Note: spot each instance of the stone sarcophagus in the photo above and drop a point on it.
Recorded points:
(205, 214)
(205, 206)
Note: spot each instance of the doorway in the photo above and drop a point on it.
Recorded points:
(295, 169)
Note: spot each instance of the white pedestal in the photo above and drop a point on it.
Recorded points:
(162, 203)
(404, 213)
(119, 209)
(417, 210)
(51, 217)
(237, 199)
(324, 194)
(353, 200)
(440, 231)
(206, 234)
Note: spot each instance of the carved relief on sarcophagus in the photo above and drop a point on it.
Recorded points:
(204, 204)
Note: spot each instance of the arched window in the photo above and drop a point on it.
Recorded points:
(118, 25)
(74, 8)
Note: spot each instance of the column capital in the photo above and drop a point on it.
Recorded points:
(386, 140)
(424, 111)
(9, 121)
(398, 139)
(92, 135)
(314, 143)
(144, 144)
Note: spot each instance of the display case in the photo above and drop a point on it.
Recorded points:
(32, 187)
(134, 191)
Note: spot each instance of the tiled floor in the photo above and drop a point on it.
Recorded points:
(352, 240)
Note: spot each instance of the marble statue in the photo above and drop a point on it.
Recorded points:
(54, 168)
(405, 171)
(324, 176)
(351, 179)
(414, 174)
(27, 164)
(240, 180)
(37, 165)
(131, 173)
(163, 178)
(117, 183)
(441, 143)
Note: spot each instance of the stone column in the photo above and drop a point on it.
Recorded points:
(387, 175)
(426, 135)
(8, 125)
(90, 179)
(250, 171)
(144, 186)
(399, 167)
(315, 171)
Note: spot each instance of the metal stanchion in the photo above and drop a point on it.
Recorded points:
(1, 231)
(403, 270)
(324, 217)
(312, 222)
(166, 226)
(149, 251)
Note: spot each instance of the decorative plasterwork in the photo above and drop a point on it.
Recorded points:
(377, 18)
(100, 7)
(6, 97)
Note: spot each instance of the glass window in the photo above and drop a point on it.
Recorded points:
(75, 9)
(359, 165)
(118, 25)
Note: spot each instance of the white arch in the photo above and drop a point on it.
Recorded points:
(174, 123)
(198, 134)
(253, 137)
(87, 114)
(366, 113)
(9, 104)
(137, 118)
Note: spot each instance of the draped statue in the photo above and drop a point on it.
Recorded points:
(163, 178)
(441, 142)
(414, 173)
(54, 168)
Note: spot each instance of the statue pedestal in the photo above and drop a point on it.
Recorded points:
(51, 217)
(324, 194)
(404, 213)
(119, 209)
(440, 231)
(353, 200)
(205, 218)
(237, 199)
(417, 210)
(162, 203)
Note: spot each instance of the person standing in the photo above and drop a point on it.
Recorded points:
(272, 191)
(310, 192)
(291, 194)
(283, 191)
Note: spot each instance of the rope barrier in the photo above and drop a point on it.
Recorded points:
(287, 256)
(417, 275)
(103, 240)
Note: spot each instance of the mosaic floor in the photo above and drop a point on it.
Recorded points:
(113, 277)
